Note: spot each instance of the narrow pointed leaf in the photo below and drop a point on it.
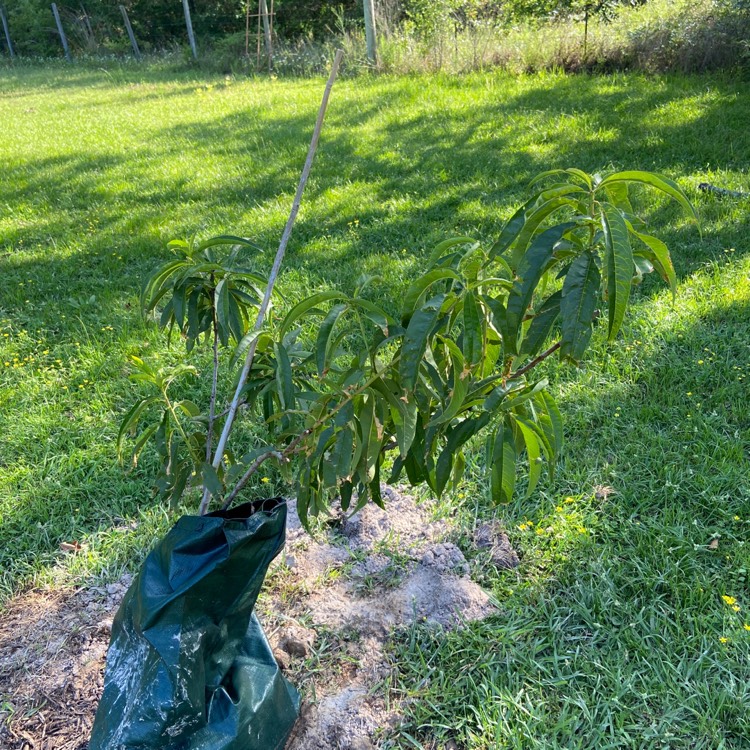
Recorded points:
(322, 345)
(579, 295)
(415, 340)
(442, 248)
(457, 437)
(661, 258)
(619, 266)
(533, 452)
(472, 333)
(530, 269)
(503, 464)
(419, 287)
(305, 306)
(541, 326)
(658, 181)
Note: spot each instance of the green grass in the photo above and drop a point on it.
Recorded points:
(609, 633)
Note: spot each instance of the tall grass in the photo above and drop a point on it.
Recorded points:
(660, 36)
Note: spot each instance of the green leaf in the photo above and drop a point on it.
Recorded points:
(619, 266)
(533, 451)
(305, 306)
(324, 336)
(143, 438)
(534, 220)
(189, 408)
(419, 287)
(236, 320)
(553, 424)
(571, 171)
(472, 333)
(226, 239)
(242, 347)
(180, 478)
(617, 193)
(541, 326)
(660, 182)
(415, 340)
(456, 437)
(211, 480)
(376, 314)
(511, 230)
(130, 420)
(221, 301)
(530, 269)
(341, 454)
(660, 258)
(442, 248)
(578, 304)
(460, 382)
(284, 381)
(503, 457)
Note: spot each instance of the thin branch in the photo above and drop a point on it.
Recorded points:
(276, 265)
(534, 362)
(250, 471)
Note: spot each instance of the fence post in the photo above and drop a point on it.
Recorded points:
(61, 31)
(7, 33)
(129, 29)
(372, 49)
(189, 25)
(267, 32)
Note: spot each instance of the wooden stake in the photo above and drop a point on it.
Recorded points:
(129, 29)
(7, 33)
(372, 47)
(274, 273)
(189, 25)
(62, 33)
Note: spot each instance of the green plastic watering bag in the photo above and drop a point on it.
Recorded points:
(188, 666)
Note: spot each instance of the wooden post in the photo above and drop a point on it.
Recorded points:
(372, 47)
(267, 32)
(61, 31)
(189, 25)
(7, 33)
(129, 29)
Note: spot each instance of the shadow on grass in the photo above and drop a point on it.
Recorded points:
(614, 633)
(399, 168)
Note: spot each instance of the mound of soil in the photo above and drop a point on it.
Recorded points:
(330, 607)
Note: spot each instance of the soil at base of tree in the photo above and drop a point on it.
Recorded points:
(348, 589)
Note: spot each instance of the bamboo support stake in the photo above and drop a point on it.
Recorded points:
(218, 455)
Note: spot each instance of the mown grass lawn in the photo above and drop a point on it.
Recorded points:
(628, 623)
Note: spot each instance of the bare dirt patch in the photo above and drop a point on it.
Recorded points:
(330, 607)
(52, 649)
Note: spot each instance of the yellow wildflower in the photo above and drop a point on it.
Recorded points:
(730, 600)
(723, 640)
